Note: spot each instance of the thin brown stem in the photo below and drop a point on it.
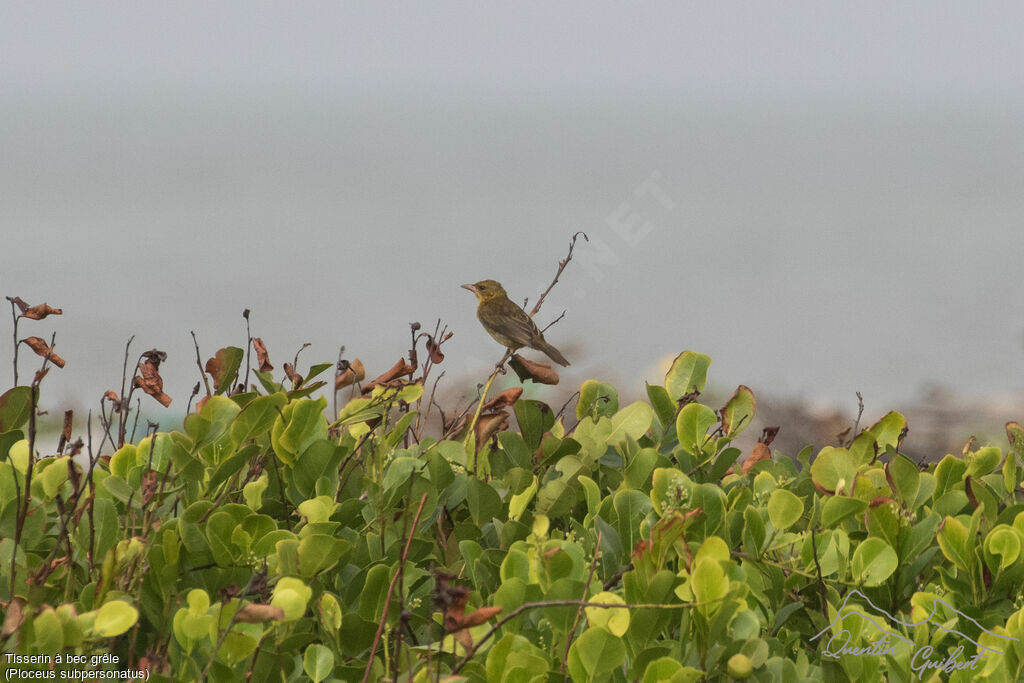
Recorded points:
(391, 589)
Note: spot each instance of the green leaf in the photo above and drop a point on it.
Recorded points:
(984, 461)
(519, 501)
(115, 618)
(318, 662)
(54, 476)
(484, 502)
(301, 423)
(1004, 541)
(663, 404)
(784, 509)
(692, 426)
(954, 542)
(534, 419)
(834, 469)
(873, 562)
(905, 477)
(738, 411)
(291, 595)
(49, 633)
(597, 399)
(839, 508)
(15, 407)
(223, 368)
(319, 552)
(887, 431)
(616, 621)
(709, 584)
(257, 417)
(632, 421)
(595, 653)
(688, 373)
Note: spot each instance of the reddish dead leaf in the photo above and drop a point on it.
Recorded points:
(480, 616)
(758, 453)
(434, 350)
(40, 374)
(969, 490)
(39, 312)
(155, 357)
(352, 372)
(201, 402)
(295, 377)
(149, 380)
(489, 425)
(42, 349)
(261, 355)
(114, 400)
(540, 373)
(399, 369)
(13, 618)
(642, 546)
(880, 500)
(258, 614)
(504, 399)
(17, 301)
(65, 433)
(215, 367)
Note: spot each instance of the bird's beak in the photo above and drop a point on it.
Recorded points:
(471, 288)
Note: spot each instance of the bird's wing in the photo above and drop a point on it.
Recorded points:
(521, 327)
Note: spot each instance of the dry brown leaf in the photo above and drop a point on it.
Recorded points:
(41, 348)
(295, 377)
(17, 301)
(352, 373)
(149, 380)
(261, 355)
(258, 614)
(39, 312)
(14, 616)
(434, 350)
(503, 400)
(489, 425)
(757, 454)
(540, 373)
(399, 369)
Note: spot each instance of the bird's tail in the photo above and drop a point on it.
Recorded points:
(552, 353)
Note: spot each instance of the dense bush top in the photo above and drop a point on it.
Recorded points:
(619, 543)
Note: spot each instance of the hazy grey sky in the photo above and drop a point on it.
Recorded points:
(807, 49)
(846, 184)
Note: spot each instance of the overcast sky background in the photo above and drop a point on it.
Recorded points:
(839, 205)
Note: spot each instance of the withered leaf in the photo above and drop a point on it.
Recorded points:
(13, 618)
(41, 348)
(258, 614)
(352, 373)
(295, 377)
(149, 380)
(488, 425)
(39, 312)
(155, 356)
(399, 369)
(17, 301)
(757, 454)
(528, 369)
(503, 400)
(434, 350)
(261, 355)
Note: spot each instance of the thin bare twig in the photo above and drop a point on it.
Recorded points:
(561, 267)
(199, 363)
(391, 589)
(856, 425)
(579, 611)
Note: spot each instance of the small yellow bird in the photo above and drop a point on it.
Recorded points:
(507, 322)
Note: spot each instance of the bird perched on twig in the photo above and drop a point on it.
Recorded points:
(507, 322)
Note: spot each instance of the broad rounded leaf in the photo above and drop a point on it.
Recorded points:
(784, 509)
(114, 618)
(873, 561)
(614, 619)
(688, 373)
